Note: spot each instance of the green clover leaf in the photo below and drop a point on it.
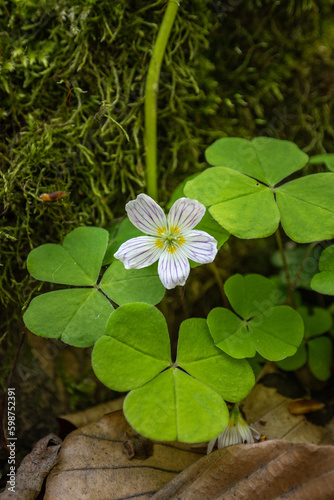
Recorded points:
(268, 160)
(260, 326)
(242, 194)
(78, 316)
(168, 401)
(76, 262)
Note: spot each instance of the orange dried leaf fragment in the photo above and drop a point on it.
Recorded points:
(302, 406)
(53, 196)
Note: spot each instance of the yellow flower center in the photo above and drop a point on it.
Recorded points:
(169, 239)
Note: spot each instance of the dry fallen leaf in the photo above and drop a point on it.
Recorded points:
(263, 471)
(34, 468)
(96, 463)
(81, 418)
(268, 412)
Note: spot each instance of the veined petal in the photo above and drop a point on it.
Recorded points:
(139, 252)
(185, 214)
(173, 269)
(199, 246)
(146, 215)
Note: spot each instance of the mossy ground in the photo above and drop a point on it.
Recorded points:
(235, 68)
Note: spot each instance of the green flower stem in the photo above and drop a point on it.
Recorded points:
(151, 97)
(302, 264)
(286, 269)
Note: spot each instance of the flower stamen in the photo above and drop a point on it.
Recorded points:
(159, 243)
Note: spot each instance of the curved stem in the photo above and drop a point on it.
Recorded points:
(302, 264)
(151, 97)
(286, 268)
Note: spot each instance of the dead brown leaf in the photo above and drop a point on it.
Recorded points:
(81, 418)
(268, 412)
(34, 468)
(263, 471)
(96, 463)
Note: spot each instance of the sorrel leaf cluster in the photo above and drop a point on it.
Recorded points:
(182, 400)
(78, 316)
(185, 399)
(244, 194)
(273, 331)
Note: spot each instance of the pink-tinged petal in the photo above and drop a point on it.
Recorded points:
(185, 214)
(139, 252)
(146, 215)
(173, 269)
(199, 246)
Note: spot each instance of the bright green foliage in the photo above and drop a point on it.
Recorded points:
(250, 295)
(273, 331)
(252, 208)
(168, 401)
(317, 350)
(323, 282)
(132, 285)
(175, 406)
(327, 159)
(307, 207)
(265, 159)
(76, 262)
(198, 355)
(78, 316)
(134, 348)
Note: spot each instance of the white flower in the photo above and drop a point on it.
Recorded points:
(172, 241)
(237, 431)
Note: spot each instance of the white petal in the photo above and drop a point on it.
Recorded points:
(146, 215)
(211, 445)
(138, 252)
(199, 246)
(173, 269)
(185, 214)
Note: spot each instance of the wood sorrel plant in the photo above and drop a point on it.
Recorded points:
(185, 398)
